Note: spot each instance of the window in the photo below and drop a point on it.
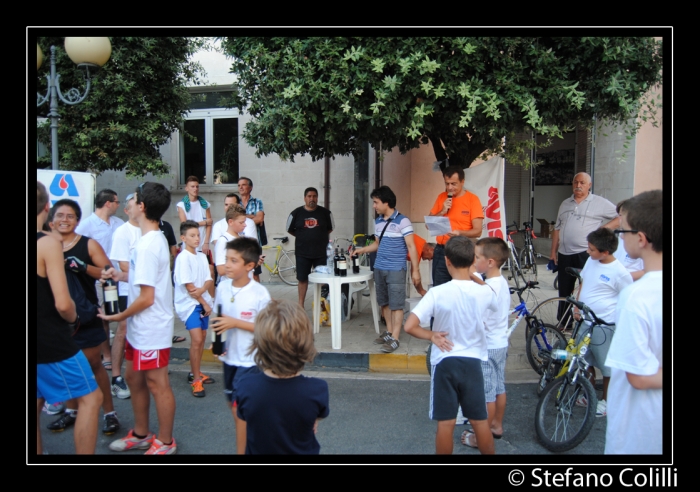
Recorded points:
(212, 156)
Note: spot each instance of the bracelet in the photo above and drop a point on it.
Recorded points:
(75, 324)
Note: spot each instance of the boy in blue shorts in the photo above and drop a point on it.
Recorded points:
(192, 300)
(491, 254)
(602, 279)
(240, 300)
(280, 406)
(459, 307)
(62, 370)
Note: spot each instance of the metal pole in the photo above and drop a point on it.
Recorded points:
(53, 110)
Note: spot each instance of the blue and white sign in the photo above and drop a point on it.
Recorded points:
(70, 184)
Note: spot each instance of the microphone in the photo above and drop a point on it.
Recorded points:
(449, 197)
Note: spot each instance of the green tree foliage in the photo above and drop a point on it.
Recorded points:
(326, 96)
(136, 101)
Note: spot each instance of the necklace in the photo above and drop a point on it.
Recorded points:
(233, 294)
(65, 248)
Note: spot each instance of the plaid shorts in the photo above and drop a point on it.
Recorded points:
(494, 371)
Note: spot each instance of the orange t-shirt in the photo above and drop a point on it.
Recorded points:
(464, 209)
(419, 242)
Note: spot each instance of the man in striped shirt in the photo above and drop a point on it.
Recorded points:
(394, 239)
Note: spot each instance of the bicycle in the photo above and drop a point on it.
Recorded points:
(528, 256)
(285, 263)
(513, 263)
(548, 309)
(360, 241)
(562, 424)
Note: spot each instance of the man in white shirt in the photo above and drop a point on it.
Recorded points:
(221, 226)
(100, 226)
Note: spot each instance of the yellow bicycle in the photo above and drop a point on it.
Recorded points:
(285, 263)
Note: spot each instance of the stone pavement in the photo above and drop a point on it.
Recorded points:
(358, 352)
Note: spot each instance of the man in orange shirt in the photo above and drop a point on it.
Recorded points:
(465, 213)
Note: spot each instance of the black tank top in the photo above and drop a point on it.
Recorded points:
(80, 251)
(54, 338)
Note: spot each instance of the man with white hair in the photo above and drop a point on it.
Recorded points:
(578, 216)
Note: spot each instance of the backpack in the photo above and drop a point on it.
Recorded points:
(87, 311)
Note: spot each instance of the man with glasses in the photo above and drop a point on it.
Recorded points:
(578, 216)
(100, 226)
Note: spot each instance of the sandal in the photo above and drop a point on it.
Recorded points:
(107, 364)
(465, 439)
(178, 339)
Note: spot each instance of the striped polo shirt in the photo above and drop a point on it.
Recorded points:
(392, 251)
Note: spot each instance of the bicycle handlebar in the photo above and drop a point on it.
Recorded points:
(575, 272)
(529, 285)
(587, 311)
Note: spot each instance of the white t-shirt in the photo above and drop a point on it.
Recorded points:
(496, 322)
(123, 242)
(152, 328)
(249, 300)
(198, 214)
(99, 230)
(190, 269)
(630, 264)
(635, 417)
(222, 226)
(220, 251)
(459, 307)
(602, 284)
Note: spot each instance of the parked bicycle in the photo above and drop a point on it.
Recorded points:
(285, 262)
(566, 409)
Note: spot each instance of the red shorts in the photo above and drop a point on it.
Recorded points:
(145, 360)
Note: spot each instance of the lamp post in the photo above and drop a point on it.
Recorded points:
(84, 52)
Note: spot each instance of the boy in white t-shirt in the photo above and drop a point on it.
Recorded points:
(149, 330)
(240, 299)
(491, 254)
(602, 279)
(459, 307)
(635, 416)
(192, 300)
(236, 220)
(633, 265)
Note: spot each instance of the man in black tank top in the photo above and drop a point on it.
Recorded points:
(62, 369)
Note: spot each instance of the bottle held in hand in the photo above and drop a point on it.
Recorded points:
(110, 295)
(355, 261)
(218, 346)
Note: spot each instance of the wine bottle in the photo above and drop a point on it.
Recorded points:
(336, 259)
(110, 294)
(218, 346)
(355, 262)
(343, 265)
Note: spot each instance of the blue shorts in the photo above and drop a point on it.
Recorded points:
(233, 374)
(457, 381)
(495, 373)
(61, 381)
(196, 320)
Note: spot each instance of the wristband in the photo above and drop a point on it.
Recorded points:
(75, 324)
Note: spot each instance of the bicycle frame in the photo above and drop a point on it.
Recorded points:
(276, 266)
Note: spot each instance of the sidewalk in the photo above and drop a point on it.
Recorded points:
(358, 352)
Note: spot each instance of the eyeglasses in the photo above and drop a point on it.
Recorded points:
(129, 197)
(139, 193)
(64, 216)
(116, 201)
(622, 231)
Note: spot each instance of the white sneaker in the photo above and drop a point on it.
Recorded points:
(53, 408)
(120, 389)
(581, 401)
(602, 409)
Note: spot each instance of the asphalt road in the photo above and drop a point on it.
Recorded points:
(370, 414)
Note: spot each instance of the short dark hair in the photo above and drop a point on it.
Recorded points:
(621, 205)
(155, 198)
(248, 247)
(385, 195)
(250, 181)
(42, 197)
(451, 170)
(191, 178)
(604, 240)
(283, 338)
(187, 225)
(494, 248)
(460, 251)
(233, 195)
(68, 202)
(310, 188)
(104, 196)
(644, 214)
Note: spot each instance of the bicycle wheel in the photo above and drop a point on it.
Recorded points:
(560, 424)
(287, 268)
(546, 312)
(543, 339)
(528, 265)
(513, 269)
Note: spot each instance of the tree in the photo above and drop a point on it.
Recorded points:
(326, 96)
(137, 100)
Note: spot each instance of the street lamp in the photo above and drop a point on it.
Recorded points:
(84, 52)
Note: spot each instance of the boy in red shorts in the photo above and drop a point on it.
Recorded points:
(150, 329)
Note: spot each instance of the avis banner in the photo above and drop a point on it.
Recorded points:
(487, 182)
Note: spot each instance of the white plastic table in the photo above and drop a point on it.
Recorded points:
(334, 284)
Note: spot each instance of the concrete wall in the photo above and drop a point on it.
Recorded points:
(649, 152)
(613, 178)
